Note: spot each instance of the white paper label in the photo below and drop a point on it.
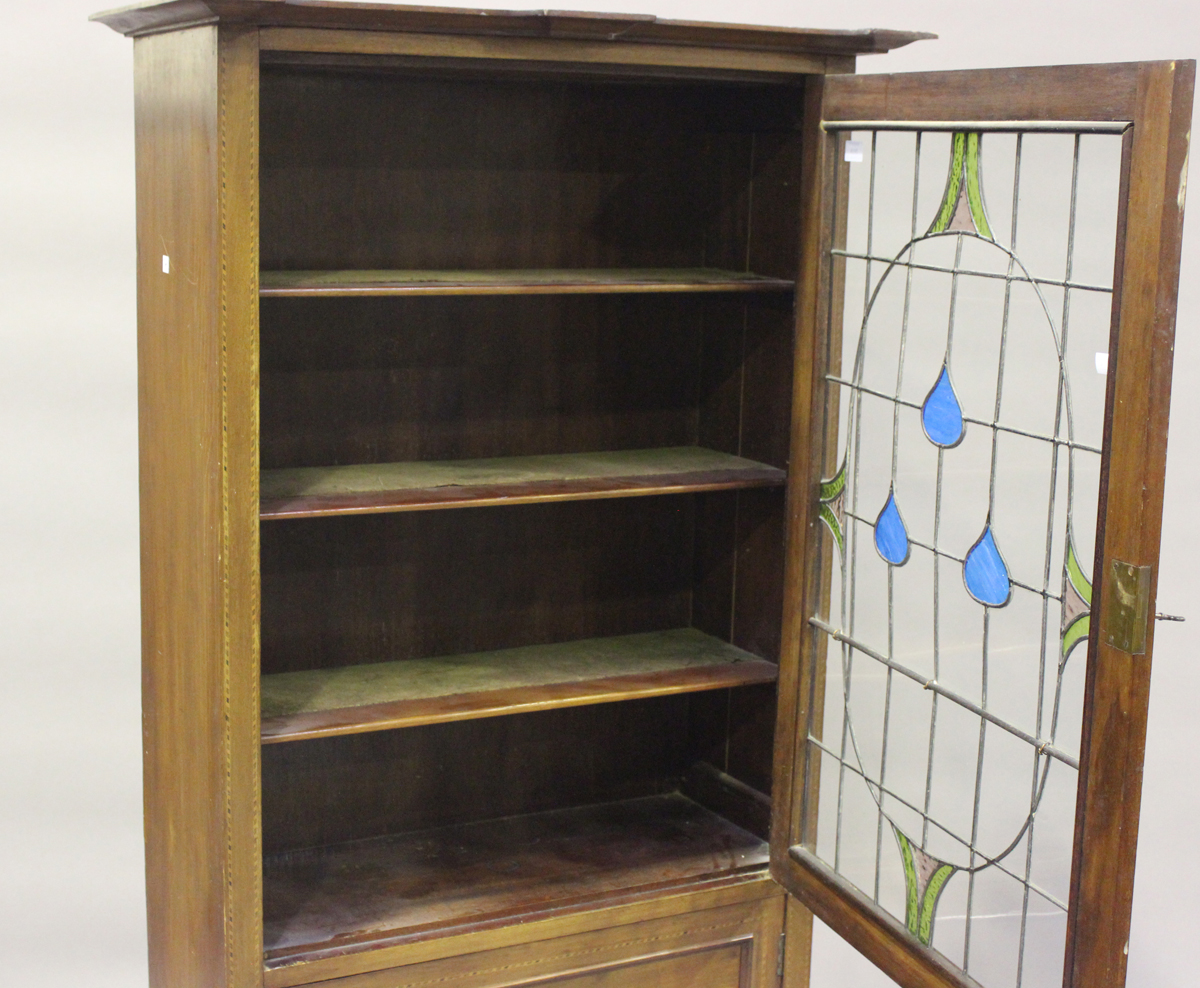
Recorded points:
(166, 264)
(1102, 363)
(854, 150)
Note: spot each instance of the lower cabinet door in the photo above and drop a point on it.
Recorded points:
(735, 946)
(729, 965)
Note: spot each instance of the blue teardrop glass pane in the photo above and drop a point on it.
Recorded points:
(891, 537)
(985, 574)
(941, 415)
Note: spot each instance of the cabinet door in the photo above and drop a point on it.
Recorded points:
(985, 319)
(732, 946)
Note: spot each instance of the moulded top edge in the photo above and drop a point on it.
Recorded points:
(151, 16)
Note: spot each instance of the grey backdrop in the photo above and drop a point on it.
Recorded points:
(71, 907)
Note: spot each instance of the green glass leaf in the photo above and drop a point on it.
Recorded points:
(1082, 585)
(1077, 601)
(832, 506)
(924, 879)
(975, 188)
(1076, 633)
(834, 526)
(830, 489)
(945, 212)
(962, 203)
(933, 891)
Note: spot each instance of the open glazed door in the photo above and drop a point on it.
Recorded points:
(984, 370)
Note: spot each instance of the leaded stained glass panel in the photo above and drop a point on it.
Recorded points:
(978, 290)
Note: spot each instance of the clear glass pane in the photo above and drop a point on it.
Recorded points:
(971, 399)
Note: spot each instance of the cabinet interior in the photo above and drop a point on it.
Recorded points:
(572, 296)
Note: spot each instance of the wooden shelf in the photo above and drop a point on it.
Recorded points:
(380, 696)
(563, 281)
(334, 900)
(306, 492)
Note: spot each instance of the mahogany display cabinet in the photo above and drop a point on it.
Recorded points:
(612, 489)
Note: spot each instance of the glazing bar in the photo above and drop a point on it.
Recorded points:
(966, 418)
(989, 126)
(942, 269)
(962, 701)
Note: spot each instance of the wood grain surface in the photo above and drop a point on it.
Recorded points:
(158, 15)
(359, 786)
(394, 171)
(1047, 92)
(1117, 689)
(240, 434)
(873, 930)
(375, 588)
(379, 380)
(346, 897)
(577, 281)
(318, 491)
(651, 951)
(348, 700)
(195, 119)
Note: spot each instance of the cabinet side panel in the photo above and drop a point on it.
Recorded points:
(182, 519)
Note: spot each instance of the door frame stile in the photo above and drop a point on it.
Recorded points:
(1117, 691)
(813, 431)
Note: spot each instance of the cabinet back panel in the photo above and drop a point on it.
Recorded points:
(758, 579)
(390, 171)
(744, 391)
(380, 380)
(373, 588)
(366, 785)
